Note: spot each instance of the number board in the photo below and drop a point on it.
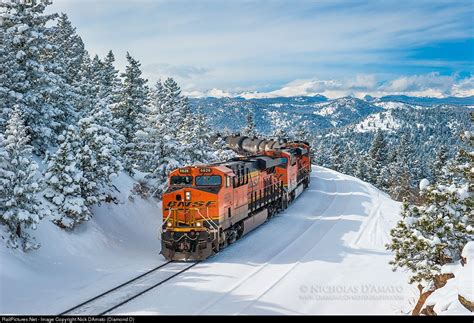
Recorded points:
(184, 171)
(205, 170)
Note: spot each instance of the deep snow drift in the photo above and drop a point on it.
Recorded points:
(325, 254)
(119, 243)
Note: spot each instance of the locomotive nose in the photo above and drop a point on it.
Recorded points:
(186, 194)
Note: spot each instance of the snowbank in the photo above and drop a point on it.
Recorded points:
(118, 243)
(445, 300)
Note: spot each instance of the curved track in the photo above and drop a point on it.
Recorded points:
(129, 290)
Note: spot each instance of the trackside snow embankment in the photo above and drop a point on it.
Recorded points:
(120, 242)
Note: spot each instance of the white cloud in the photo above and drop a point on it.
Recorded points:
(252, 44)
(464, 88)
(432, 85)
(214, 93)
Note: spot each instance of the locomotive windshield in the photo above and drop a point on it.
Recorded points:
(181, 180)
(285, 162)
(213, 180)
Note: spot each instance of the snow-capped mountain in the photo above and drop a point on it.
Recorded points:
(318, 111)
(321, 113)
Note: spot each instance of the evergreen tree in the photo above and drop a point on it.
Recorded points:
(99, 156)
(440, 163)
(174, 107)
(201, 150)
(35, 85)
(20, 208)
(110, 84)
(400, 177)
(280, 125)
(69, 48)
(64, 179)
(434, 234)
(7, 67)
(249, 129)
(68, 55)
(361, 171)
(86, 87)
(377, 160)
(157, 150)
(133, 100)
(220, 151)
(302, 131)
(349, 165)
(337, 157)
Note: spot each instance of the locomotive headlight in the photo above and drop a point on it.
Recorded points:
(198, 224)
(187, 196)
(169, 224)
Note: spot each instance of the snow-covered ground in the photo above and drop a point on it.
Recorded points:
(445, 300)
(325, 254)
(119, 243)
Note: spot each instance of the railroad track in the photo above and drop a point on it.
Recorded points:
(131, 289)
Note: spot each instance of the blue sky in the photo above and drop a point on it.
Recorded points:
(288, 47)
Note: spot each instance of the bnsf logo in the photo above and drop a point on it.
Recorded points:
(190, 204)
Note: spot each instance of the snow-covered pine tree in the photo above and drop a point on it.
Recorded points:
(107, 89)
(20, 208)
(377, 160)
(156, 148)
(280, 125)
(133, 100)
(68, 55)
(69, 48)
(201, 139)
(321, 155)
(35, 86)
(64, 180)
(174, 107)
(186, 132)
(100, 154)
(440, 164)
(110, 85)
(400, 177)
(434, 234)
(348, 160)
(302, 131)
(86, 86)
(7, 67)
(249, 129)
(337, 157)
(361, 170)
(220, 151)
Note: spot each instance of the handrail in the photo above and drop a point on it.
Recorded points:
(207, 219)
(166, 220)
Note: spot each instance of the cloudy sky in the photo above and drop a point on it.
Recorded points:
(286, 48)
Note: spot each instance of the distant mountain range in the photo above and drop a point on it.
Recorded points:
(423, 101)
(318, 111)
(429, 101)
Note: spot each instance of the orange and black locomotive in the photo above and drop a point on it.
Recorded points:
(206, 208)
